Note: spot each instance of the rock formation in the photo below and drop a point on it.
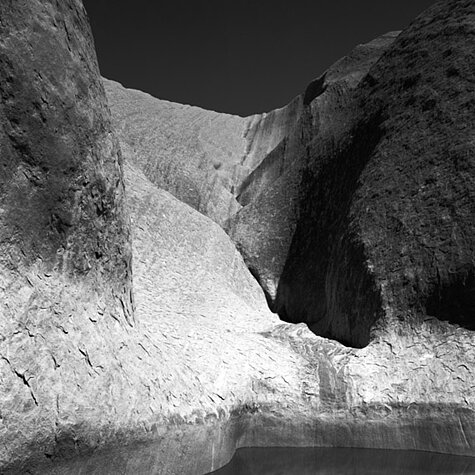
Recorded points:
(190, 152)
(199, 365)
(65, 267)
(387, 223)
(201, 157)
(272, 193)
(219, 163)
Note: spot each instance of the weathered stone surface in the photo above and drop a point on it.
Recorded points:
(387, 226)
(201, 157)
(192, 153)
(218, 163)
(208, 368)
(64, 235)
(272, 194)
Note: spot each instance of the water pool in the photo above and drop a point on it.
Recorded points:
(344, 461)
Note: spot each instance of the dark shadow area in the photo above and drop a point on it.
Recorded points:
(326, 283)
(314, 89)
(343, 461)
(454, 300)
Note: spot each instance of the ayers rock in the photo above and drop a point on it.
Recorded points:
(135, 337)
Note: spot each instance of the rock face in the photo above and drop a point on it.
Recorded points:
(82, 375)
(387, 226)
(201, 157)
(64, 234)
(200, 366)
(192, 153)
(272, 194)
(219, 163)
(62, 191)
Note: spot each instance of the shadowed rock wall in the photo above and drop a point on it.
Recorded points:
(61, 183)
(388, 223)
(274, 193)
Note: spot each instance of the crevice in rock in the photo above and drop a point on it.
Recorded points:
(314, 89)
(453, 299)
(23, 378)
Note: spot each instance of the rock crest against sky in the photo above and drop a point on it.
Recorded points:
(240, 57)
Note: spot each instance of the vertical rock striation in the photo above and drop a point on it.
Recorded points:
(274, 193)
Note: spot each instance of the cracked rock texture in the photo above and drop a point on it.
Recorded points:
(199, 365)
(207, 368)
(65, 254)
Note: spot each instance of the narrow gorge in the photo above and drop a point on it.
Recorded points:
(177, 283)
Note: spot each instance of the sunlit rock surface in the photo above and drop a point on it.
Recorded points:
(244, 173)
(200, 366)
(192, 153)
(65, 272)
(208, 368)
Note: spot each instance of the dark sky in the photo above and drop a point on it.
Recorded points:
(236, 56)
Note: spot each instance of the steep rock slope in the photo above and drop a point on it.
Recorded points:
(64, 235)
(271, 194)
(190, 152)
(387, 227)
(218, 163)
(208, 368)
(201, 157)
(79, 373)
